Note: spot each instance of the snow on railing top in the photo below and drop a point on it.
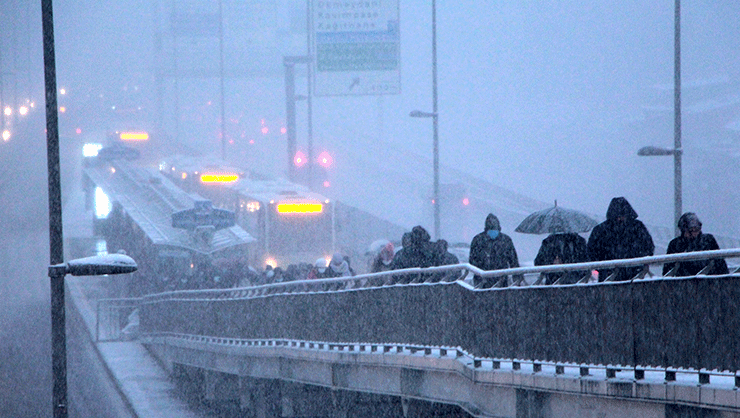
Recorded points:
(461, 273)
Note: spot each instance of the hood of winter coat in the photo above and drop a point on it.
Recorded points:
(688, 220)
(619, 206)
(492, 223)
(419, 235)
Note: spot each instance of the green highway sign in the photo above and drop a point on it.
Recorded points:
(356, 45)
(375, 56)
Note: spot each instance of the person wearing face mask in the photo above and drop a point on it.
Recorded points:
(620, 236)
(492, 250)
(692, 239)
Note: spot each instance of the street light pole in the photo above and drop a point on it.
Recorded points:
(677, 194)
(309, 94)
(676, 151)
(290, 115)
(56, 248)
(98, 265)
(435, 120)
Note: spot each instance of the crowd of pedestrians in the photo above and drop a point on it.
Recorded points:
(620, 236)
(338, 266)
(418, 250)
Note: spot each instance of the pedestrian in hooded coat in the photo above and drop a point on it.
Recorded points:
(339, 266)
(692, 239)
(563, 248)
(318, 271)
(620, 236)
(417, 251)
(492, 250)
(399, 259)
(442, 257)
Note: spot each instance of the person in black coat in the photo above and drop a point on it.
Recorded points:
(442, 257)
(620, 236)
(492, 250)
(692, 239)
(563, 248)
(417, 251)
(399, 259)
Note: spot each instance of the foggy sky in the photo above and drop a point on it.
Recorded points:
(546, 98)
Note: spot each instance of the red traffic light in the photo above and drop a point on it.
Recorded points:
(299, 159)
(325, 159)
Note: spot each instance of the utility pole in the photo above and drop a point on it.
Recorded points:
(56, 247)
(677, 192)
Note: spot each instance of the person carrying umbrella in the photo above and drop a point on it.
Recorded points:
(563, 248)
(563, 245)
(492, 250)
(620, 236)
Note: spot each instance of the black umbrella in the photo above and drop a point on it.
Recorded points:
(556, 219)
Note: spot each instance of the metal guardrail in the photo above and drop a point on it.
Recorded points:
(648, 325)
(450, 273)
(112, 318)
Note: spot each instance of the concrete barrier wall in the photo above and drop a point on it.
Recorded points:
(692, 323)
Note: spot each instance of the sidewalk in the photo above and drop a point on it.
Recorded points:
(137, 375)
(139, 378)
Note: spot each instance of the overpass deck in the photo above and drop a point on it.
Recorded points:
(483, 388)
(371, 354)
(651, 344)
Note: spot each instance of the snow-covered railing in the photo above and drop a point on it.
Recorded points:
(115, 319)
(451, 273)
(682, 323)
(615, 265)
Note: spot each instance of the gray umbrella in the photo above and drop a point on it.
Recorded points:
(556, 219)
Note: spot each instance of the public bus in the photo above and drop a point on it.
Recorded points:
(177, 238)
(290, 223)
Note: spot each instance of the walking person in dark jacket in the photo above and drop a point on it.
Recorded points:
(620, 236)
(692, 239)
(417, 251)
(563, 248)
(492, 250)
(399, 259)
(442, 257)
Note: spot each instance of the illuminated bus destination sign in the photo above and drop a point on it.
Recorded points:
(134, 136)
(300, 207)
(218, 178)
